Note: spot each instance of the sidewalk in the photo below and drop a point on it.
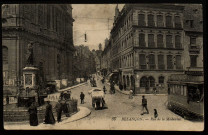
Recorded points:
(82, 113)
(127, 92)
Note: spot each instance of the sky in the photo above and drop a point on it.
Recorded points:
(93, 19)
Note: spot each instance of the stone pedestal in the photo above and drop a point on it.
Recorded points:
(64, 82)
(58, 84)
(30, 77)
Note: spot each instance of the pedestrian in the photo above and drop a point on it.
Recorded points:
(144, 105)
(104, 89)
(130, 94)
(49, 118)
(33, 115)
(68, 95)
(82, 97)
(155, 113)
(66, 108)
(58, 110)
(62, 95)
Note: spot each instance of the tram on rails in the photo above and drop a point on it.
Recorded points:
(186, 96)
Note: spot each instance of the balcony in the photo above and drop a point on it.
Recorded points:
(169, 45)
(143, 66)
(193, 48)
(141, 23)
(178, 45)
(142, 44)
(160, 45)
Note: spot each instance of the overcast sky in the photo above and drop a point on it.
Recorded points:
(92, 19)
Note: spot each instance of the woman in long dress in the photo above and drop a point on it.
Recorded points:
(49, 118)
(33, 115)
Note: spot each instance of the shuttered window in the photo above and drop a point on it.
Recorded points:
(168, 21)
(177, 22)
(151, 42)
(141, 21)
(169, 62)
(151, 22)
(160, 41)
(161, 61)
(159, 21)
(169, 43)
(142, 40)
(177, 41)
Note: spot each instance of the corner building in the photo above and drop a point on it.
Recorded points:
(50, 27)
(147, 45)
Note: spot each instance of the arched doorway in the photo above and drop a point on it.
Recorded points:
(147, 82)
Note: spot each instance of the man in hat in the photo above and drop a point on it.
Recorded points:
(82, 97)
(59, 110)
(144, 105)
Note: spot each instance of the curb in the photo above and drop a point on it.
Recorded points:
(64, 119)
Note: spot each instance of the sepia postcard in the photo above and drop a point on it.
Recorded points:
(103, 67)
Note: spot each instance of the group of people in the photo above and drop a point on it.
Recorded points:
(61, 106)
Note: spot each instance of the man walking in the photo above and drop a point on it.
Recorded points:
(82, 97)
(144, 105)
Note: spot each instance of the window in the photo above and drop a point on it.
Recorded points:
(169, 43)
(151, 22)
(178, 62)
(152, 61)
(151, 81)
(161, 62)
(177, 22)
(143, 81)
(159, 21)
(168, 21)
(169, 62)
(141, 21)
(142, 61)
(177, 42)
(193, 60)
(161, 79)
(160, 41)
(142, 40)
(151, 42)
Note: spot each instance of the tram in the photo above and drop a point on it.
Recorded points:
(186, 96)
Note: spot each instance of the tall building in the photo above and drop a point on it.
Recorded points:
(147, 45)
(50, 27)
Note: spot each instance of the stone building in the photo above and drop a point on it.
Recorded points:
(98, 55)
(50, 26)
(147, 45)
(106, 58)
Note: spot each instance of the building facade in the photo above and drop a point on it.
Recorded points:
(50, 26)
(106, 58)
(147, 45)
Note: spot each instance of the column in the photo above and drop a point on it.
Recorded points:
(146, 23)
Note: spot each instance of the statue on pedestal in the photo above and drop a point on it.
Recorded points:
(30, 54)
